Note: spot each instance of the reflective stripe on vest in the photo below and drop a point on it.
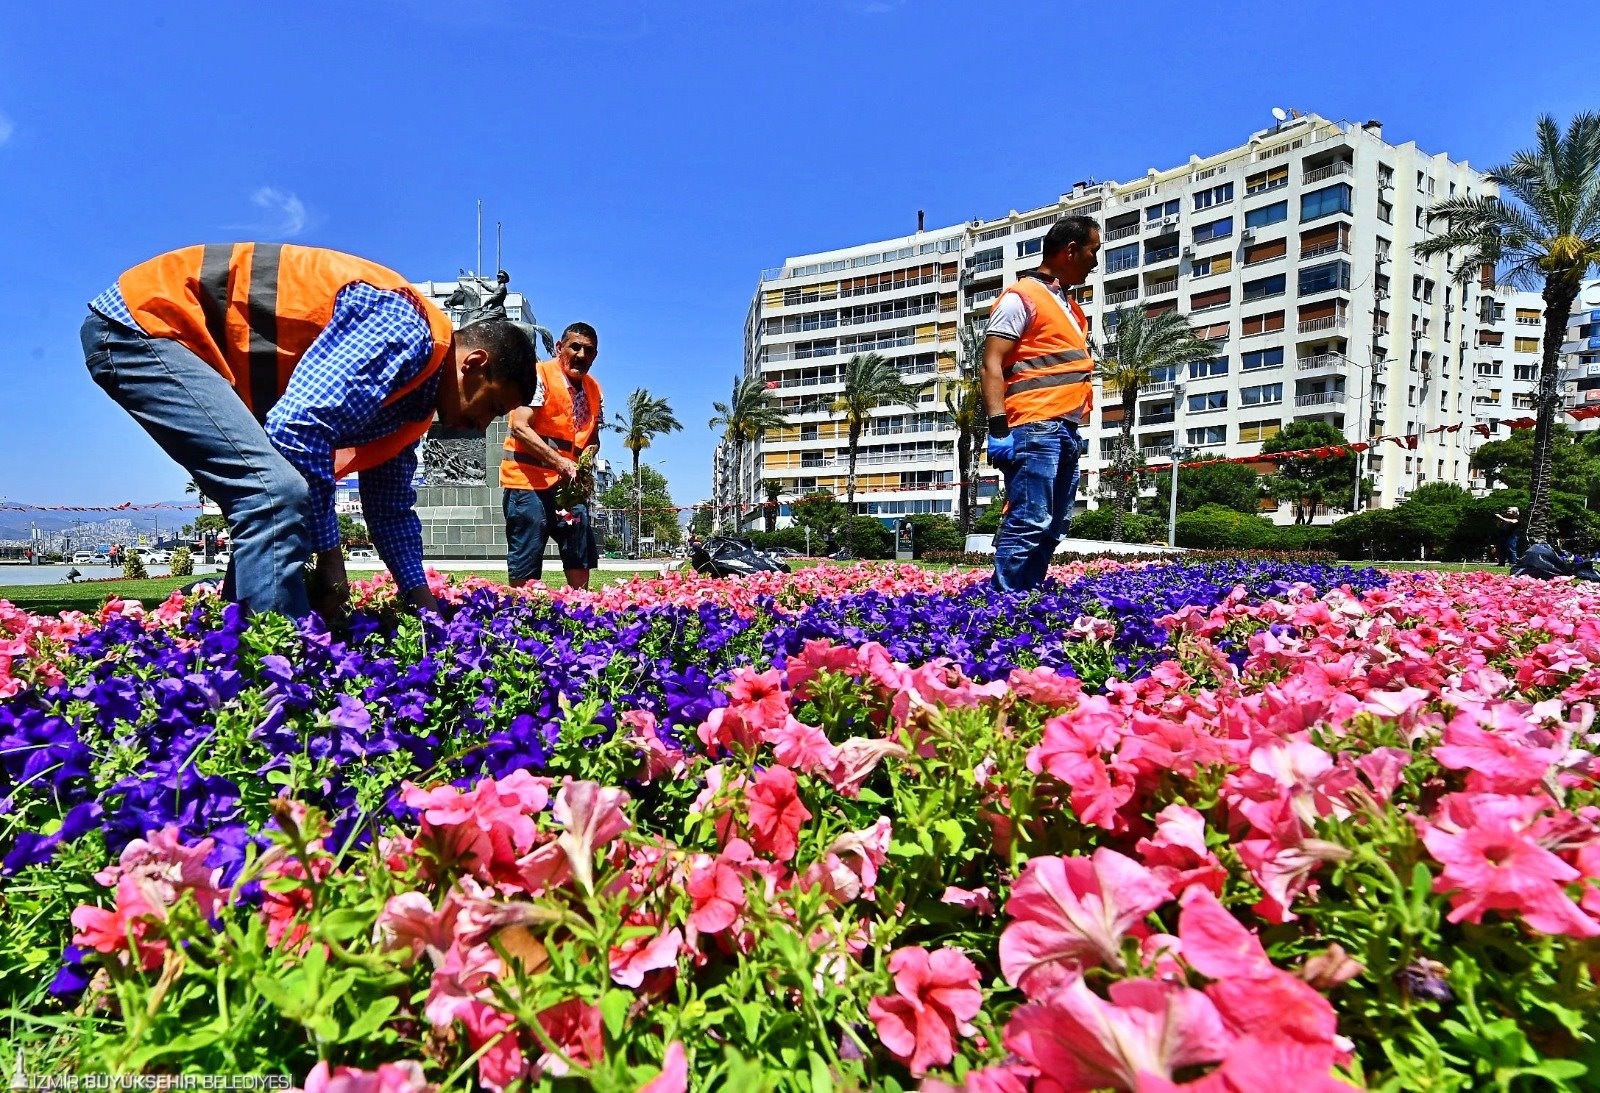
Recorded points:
(553, 421)
(1048, 372)
(251, 310)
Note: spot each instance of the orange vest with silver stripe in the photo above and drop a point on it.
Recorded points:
(1048, 371)
(556, 426)
(251, 310)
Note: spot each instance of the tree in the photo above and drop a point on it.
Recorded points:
(870, 381)
(746, 417)
(963, 400)
(647, 418)
(823, 513)
(1313, 480)
(1574, 462)
(352, 530)
(1212, 481)
(210, 522)
(1145, 346)
(703, 520)
(653, 503)
(1546, 236)
(772, 487)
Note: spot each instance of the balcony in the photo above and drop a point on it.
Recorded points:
(1159, 451)
(1161, 287)
(1330, 322)
(1114, 298)
(990, 265)
(1122, 233)
(1320, 398)
(1160, 254)
(1160, 387)
(1338, 167)
(1339, 246)
(1162, 226)
(1117, 265)
(1156, 419)
(982, 297)
(1323, 362)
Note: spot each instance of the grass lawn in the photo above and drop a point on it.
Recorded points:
(52, 599)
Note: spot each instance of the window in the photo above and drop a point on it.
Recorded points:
(1269, 179)
(1262, 359)
(1211, 400)
(1487, 369)
(1253, 432)
(1217, 195)
(1165, 373)
(1386, 212)
(1525, 371)
(1329, 275)
(1325, 202)
(1121, 258)
(1217, 297)
(1265, 395)
(1216, 366)
(1265, 252)
(1385, 175)
(1264, 287)
(1527, 345)
(1217, 229)
(1267, 214)
(1030, 246)
(1263, 324)
(1160, 210)
(1527, 316)
(1208, 436)
(1205, 267)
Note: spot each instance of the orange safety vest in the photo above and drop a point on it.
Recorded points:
(1048, 371)
(251, 310)
(556, 426)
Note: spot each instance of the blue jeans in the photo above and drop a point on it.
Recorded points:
(197, 419)
(1041, 488)
(530, 522)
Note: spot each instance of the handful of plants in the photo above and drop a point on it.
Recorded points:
(579, 489)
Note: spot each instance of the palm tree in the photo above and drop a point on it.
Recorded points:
(870, 381)
(1547, 236)
(963, 400)
(747, 416)
(647, 418)
(772, 487)
(1146, 346)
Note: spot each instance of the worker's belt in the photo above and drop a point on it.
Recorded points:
(557, 443)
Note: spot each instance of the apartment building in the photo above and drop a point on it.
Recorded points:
(1291, 253)
(898, 298)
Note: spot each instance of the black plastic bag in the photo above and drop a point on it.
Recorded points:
(1544, 561)
(726, 556)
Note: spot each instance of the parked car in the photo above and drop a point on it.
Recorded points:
(362, 554)
(84, 557)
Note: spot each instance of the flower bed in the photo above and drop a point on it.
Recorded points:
(1219, 825)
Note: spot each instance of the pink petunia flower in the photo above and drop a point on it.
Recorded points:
(133, 919)
(1178, 854)
(716, 888)
(1145, 1032)
(638, 955)
(1073, 912)
(775, 813)
(592, 816)
(486, 829)
(936, 997)
(802, 747)
(403, 1077)
(1494, 865)
(674, 1076)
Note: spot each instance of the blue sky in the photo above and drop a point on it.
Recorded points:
(647, 159)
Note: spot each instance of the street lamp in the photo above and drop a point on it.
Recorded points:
(1172, 503)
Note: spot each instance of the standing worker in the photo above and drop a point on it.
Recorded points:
(1506, 540)
(270, 371)
(544, 441)
(1037, 393)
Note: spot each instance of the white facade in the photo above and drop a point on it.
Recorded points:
(1292, 252)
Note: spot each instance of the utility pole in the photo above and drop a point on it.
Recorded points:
(1172, 504)
(478, 269)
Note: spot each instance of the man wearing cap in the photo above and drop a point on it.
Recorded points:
(544, 441)
(270, 371)
(1507, 539)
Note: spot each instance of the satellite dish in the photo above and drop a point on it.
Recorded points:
(1280, 113)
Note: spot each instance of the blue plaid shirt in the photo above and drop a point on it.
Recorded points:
(375, 342)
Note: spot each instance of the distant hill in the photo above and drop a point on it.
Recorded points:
(90, 528)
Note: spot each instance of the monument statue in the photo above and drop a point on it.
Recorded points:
(453, 457)
(480, 298)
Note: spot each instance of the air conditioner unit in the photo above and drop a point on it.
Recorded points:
(1247, 236)
(1188, 252)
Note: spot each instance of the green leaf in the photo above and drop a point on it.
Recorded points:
(821, 1078)
(1421, 889)
(371, 1019)
(614, 1011)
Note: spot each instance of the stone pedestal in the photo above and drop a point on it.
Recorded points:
(459, 498)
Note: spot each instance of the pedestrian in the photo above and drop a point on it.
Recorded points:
(544, 441)
(270, 371)
(1507, 538)
(1037, 394)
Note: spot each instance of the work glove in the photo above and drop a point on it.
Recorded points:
(1001, 450)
